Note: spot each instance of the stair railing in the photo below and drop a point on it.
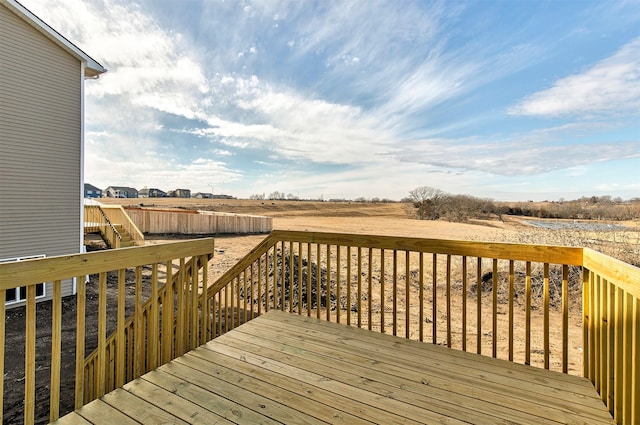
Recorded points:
(117, 215)
(144, 343)
(95, 220)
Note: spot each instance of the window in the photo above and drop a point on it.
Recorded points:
(15, 295)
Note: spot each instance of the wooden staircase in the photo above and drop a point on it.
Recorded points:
(125, 238)
(114, 226)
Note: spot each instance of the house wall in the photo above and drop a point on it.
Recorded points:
(40, 140)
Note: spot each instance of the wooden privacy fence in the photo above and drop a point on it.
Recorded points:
(503, 300)
(166, 281)
(197, 222)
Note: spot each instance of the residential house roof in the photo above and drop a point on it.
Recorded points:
(88, 186)
(123, 188)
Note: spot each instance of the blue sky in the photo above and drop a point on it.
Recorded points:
(510, 100)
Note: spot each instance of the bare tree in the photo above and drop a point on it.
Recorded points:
(277, 195)
(428, 200)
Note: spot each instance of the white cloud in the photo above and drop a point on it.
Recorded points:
(147, 66)
(428, 85)
(526, 155)
(148, 169)
(222, 152)
(577, 171)
(300, 128)
(343, 28)
(283, 121)
(95, 134)
(611, 86)
(607, 187)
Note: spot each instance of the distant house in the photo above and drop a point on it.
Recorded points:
(42, 78)
(179, 193)
(203, 195)
(90, 191)
(121, 192)
(157, 193)
(151, 193)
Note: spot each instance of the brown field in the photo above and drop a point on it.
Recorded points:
(396, 219)
(389, 219)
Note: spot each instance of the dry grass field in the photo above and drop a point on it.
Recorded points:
(398, 219)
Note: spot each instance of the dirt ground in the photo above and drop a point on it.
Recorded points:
(380, 219)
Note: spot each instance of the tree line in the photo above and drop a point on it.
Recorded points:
(431, 203)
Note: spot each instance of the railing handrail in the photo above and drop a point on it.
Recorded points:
(525, 252)
(105, 218)
(613, 270)
(107, 229)
(127, 223)
(185, 266)
(23, 273)
(511, 251)
(242, 264)
(109, 223)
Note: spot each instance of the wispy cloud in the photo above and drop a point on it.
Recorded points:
(612, 86)
(535, 152)
(296, 127)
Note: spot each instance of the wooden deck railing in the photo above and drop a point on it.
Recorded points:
(522, 303)
(502, 300)
(141, 354)
(105, 218)
(611, 323)
(166, 281)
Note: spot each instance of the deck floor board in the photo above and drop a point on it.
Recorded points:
(285, 368)
(450, 368)
(446, 383)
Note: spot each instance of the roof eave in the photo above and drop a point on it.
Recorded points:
(92, 67)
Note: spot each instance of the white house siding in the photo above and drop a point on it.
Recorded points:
(40, 137)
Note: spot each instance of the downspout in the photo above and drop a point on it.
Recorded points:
(83, 66)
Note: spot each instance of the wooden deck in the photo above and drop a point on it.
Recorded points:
(284, 368)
